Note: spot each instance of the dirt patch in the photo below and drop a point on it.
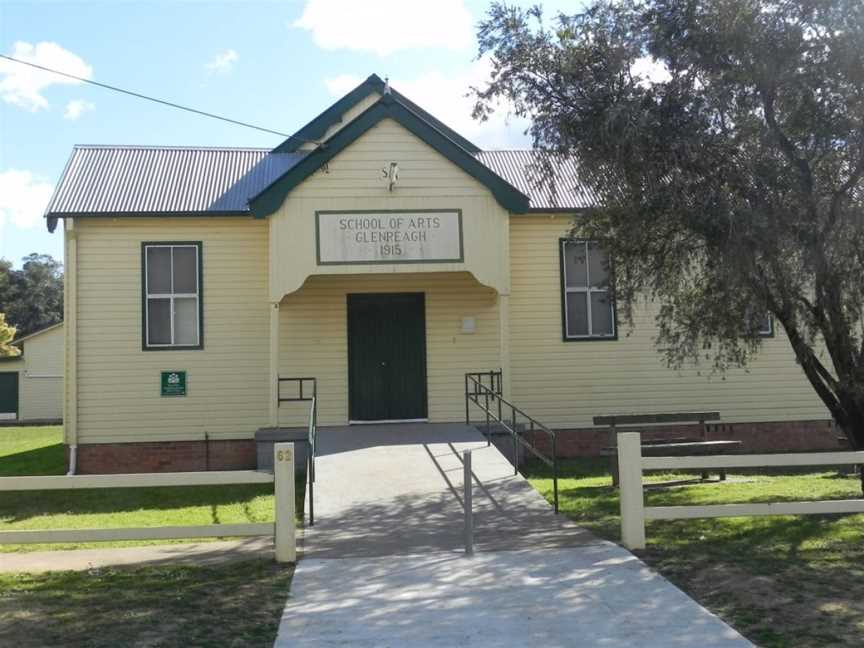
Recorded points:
(812, 601)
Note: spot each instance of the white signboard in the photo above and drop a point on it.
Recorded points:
(411, 236)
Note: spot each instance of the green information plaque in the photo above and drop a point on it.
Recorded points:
(173, 383)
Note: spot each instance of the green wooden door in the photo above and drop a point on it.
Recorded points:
(9, 394)
(386, 357)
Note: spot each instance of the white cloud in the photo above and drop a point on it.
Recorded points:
(223, 62)
(76, 108)
(650, 70)
(387, 27)
(23, 198)
(444, 96)
(22, 85)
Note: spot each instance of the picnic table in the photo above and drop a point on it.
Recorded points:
(671, 446)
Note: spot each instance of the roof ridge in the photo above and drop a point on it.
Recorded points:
(168, 147)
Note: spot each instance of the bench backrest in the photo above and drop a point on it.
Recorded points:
(614, 420)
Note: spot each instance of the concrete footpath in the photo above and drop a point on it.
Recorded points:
(384, 565)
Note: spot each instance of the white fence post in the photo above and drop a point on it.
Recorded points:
(283, 489)
(630, 490)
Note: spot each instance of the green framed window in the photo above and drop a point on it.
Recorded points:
(172, 309)
(587, 307)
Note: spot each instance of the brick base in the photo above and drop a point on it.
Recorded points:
(186, 456)
(780, 436)
(168, 456)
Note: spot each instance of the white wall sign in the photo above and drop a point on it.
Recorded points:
(410, 236)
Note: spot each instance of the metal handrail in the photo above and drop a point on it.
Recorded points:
(492, 396)
(312, 429)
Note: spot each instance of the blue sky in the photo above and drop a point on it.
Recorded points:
(272, 64)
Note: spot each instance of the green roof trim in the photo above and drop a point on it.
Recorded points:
(271, 198)
(317, 128)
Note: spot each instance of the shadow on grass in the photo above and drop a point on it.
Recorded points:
(48, 460)
(237, 604)
(18, 506)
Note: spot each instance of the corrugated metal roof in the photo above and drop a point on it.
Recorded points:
(189, 180)
(145, 179)
(523, 169)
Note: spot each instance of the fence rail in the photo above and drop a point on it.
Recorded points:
(137, 480)
(283, 529)
(634, 513)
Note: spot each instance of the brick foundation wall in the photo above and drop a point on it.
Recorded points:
(168, 456)
(780, 436)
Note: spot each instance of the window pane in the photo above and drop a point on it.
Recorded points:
(577, 314)
(598, 266)
(186, 321)
(159, 321)
(575, 265)
(601, 314)
(185, 270)
(158, 270)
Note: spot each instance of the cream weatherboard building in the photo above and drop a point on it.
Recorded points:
(377, 251)
(31, 384)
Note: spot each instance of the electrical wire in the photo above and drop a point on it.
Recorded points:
(170, 104)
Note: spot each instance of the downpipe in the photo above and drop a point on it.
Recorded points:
(73, 459)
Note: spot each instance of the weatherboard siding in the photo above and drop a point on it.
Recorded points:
(565, 384)
(41, 380)
(314, 338)
(118, 382)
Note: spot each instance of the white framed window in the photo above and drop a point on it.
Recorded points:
(588, 310)
(172, 313)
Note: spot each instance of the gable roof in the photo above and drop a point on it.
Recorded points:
(140, 181)
(317, 128)
(388, 106)
(29, 336)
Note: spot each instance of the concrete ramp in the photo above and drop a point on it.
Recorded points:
(397, 490)
(383, 566)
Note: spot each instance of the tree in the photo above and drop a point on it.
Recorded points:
(725, 142)
(7, 334)
(32, 297)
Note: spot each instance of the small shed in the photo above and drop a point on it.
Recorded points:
(31, 384)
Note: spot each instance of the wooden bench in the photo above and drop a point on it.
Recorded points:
(664, 447)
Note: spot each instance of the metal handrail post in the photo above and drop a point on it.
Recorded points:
(515, 440)
(467, 413)
(467, 500)
(555, 470)
(311, 481)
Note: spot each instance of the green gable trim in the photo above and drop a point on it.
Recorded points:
(269, 200)
(317, 128)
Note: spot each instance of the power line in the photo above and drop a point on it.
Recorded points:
(155, 100)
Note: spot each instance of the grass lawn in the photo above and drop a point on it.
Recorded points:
(39, 451)
(784, 581)
(237, 604)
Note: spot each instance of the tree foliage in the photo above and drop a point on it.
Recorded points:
(725, 141)
(7, 334)
(32, 297)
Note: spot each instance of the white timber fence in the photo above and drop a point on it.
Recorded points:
(634, 513)
(283, 529)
